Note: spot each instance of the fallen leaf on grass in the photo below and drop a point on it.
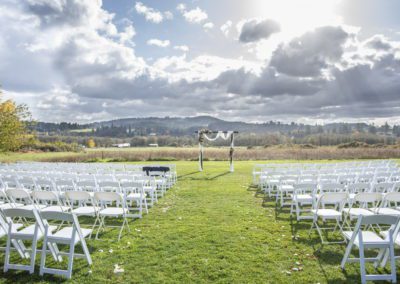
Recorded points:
(118, 269)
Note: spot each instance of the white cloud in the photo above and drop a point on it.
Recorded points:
(183, 48)
(168, 15)
(150, 14)
(195, 15)
(208, 26)
(127, 35)
(181, 7)
(158, 42)
(226, 27)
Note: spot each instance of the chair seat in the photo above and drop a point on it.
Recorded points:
(327, 213)
(10, 205)
(56, 208)
(113, 211)
(86, 211)
(65, 235)
(370, 239)
(135, 196)
(386, 211)
(28, 232)
(33, 206)
(287, 187)
(385, 234)
(303, 198)
(358, 212)
(16, 226)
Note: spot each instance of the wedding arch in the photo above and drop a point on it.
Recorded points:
(226, 135)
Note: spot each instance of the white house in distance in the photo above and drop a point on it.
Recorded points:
(122, 145)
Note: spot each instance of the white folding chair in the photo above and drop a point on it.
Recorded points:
(134, 192)
(87, 185)
(15, 237)
(71, 236)
(22, 199)
(110, 186)
(335, 199)
(49, 200)
(388, 205)
(105, 200)
(360, 206)
(367, 239)
(303, 195)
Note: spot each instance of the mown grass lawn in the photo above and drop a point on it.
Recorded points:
(212, 227)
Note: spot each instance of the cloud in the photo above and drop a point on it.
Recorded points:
(254, 29)
(378, 42)
(168, 15)
(208, 26)
(308, 54)
(195, 15)
(226, 27)
(158, 42)
(81, 66)
(150, 14)
(183, 48)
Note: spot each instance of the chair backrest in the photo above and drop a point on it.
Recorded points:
(300, 188)
(359, 187)
(331, 187)
(65, 185)
(78, 196)
(112, 186)
(378, 220)
(45, 184)
(87, 185)
(18, 212)
(57, 216)
(44, 196)
(15, 194)
(107, 196)
(391, 197)
(336, 198)
(368, 197)
(383, 187)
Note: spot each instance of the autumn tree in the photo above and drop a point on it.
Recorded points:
(90, 143)
(13, 122)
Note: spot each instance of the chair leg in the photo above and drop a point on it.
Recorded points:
(392, 262)
(362, 263)
(33, 256)
(43, 256)
(7, 258)
(346, 255)
(71, 258)
(86, 252)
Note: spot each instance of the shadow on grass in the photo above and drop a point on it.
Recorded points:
(188, 174)
(205, 178)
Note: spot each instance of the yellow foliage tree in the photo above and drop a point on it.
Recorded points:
(13, 118)
(90, 143)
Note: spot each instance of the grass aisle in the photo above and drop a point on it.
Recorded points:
(209, 228)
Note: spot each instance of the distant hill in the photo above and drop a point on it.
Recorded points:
(181, 126)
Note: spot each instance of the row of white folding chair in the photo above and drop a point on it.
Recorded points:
(306, 194)
(363, 204)
(273, 180)
(133, 192)
(81, 203)
(17, 234)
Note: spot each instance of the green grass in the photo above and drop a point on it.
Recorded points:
(212, 227)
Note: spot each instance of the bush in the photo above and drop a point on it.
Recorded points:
(58, 146)
(354, 144)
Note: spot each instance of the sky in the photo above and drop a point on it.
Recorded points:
(307, 61)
